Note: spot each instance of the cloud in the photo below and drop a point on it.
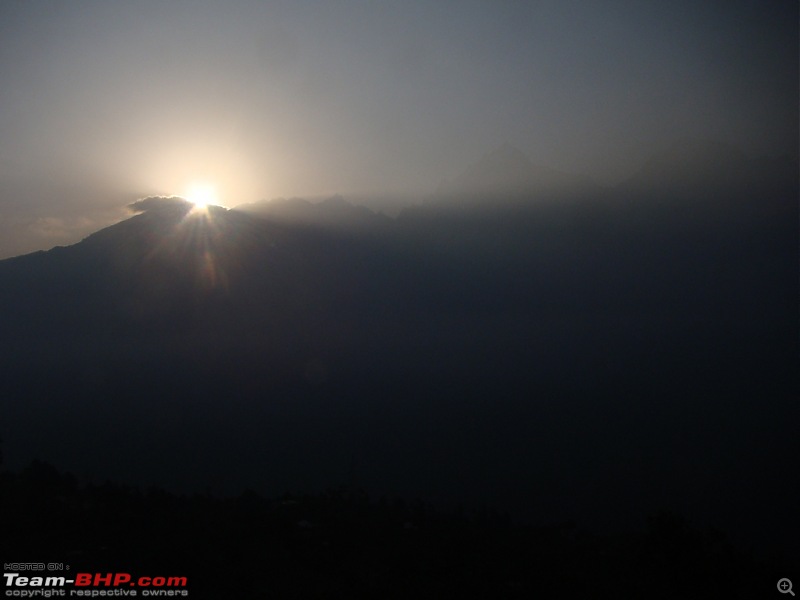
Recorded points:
(160, 203)
(21, 233)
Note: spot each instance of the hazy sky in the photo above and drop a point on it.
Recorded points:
(105, 102)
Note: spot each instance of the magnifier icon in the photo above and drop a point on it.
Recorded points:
(785, 586)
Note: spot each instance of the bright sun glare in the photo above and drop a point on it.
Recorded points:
(201, 195)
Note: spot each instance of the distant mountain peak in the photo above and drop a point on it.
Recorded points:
(508, 153)
(507, 157)
(692, 152)
(697, 165)
(507, 170)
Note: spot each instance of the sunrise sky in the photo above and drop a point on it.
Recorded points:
(102, 103)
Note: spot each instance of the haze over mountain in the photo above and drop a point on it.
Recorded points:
(596, 358)
(104, 103)
(334, 213)
(508, 171)
(706, 169)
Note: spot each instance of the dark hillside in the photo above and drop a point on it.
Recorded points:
(592, 357)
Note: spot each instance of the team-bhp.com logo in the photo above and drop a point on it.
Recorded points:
(93, 585)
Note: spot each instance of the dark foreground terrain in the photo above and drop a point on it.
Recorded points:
(342, 544)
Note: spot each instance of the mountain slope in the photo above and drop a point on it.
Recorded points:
(516, 357)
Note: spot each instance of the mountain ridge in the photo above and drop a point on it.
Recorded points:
(689, 168)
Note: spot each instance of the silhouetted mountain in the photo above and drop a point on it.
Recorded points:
(588, 359)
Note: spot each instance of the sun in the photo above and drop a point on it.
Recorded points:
(201, 195)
